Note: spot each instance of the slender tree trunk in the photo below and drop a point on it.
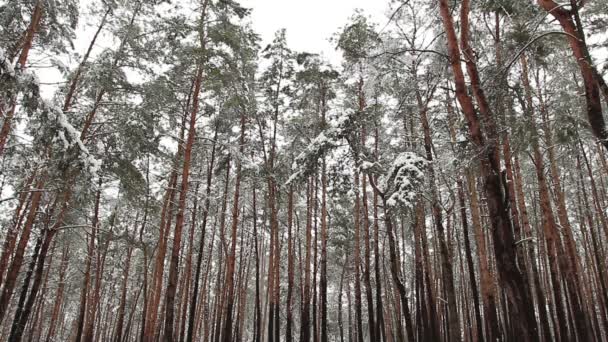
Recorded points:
(557, 256)
(220, 295)
(357, 260)
(191, 335)
(100, 255)
(184, 301)
(59, 295)
(315, 262)
(324, 234)
(179, 219)
(380, 331)
(17, 260)
(446, 262)
(153, 301)
(543, 310)
(82, 312)
(400, 286)
(227, 334)
(16, 328)
(258, 305)
(118, 337)
(23, 56)
(305, 315)
(10, 241)
(469, 259)
(290, 268)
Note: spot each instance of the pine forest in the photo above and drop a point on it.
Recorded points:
(167, 174)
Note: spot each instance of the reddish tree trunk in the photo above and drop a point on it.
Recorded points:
(576, 40)
(23, 56)
(230, 286)
(181, 207)
(510, 278)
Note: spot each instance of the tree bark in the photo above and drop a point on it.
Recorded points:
(510, 278)
(181, 207)
(227, 334)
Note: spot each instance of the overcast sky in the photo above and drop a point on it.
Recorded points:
(310, 23)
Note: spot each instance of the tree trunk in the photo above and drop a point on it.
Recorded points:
(118, 337)
(290, 268)
(227, 334)
(16, 328)
(446, 262)
(576, 40)
(59, 295)
(191, 335)
(181, 207)
(394, 265)
(257, 330)
(357, 259)
(305, 315)
(23, 56)
(17, 260)
(8, 247)
(511, 280)
(469, 259)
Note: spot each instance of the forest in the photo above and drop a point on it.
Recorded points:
(167, 176)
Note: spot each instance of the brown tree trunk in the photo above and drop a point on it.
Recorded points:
(576, 39)
(446, 262)
(257, 330)
(479, 334)
(118, 337)
(598, 257)
(191, 335)
(357, 260)
(543, 310)
(47, 237)
(16, 328)
(10, 241)
(510, 278)
(69, 97)
(58, 296)
(17, 260)
(315, 262)
(82, 312)
(62, 198)
(469, 259)
(100, 259)
(154, 294)
(400, 286)
(557, 256)
(323, 277)
(184, 301)
(181, 207)
(340, 304)
(227, 333)
(380, 331)
(222, 251)
(290, 268)
(305, 315)
(562, 211)
(23, 56)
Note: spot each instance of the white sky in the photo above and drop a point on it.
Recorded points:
(310, 23)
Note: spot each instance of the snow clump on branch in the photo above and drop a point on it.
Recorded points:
(405, 177)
